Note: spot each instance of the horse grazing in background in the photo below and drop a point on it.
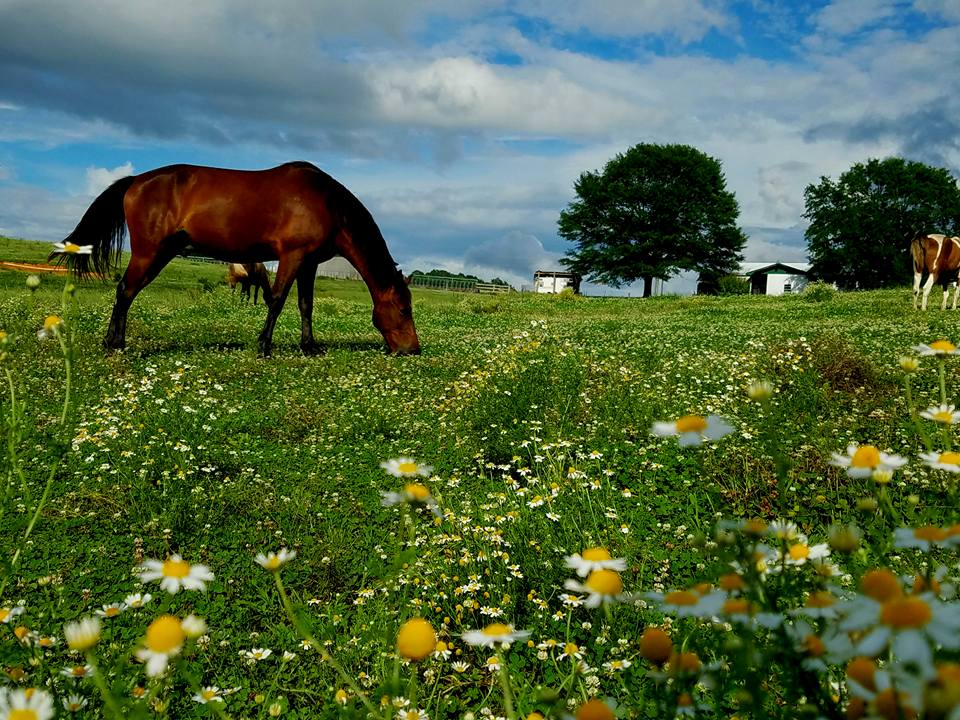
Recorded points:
(247, 275)
(937, 257)
(294, 213)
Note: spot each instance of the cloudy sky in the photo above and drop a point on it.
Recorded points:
(462, 124)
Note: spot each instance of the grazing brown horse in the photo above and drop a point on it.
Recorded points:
(938, 257)
(294, 213)
(248, 274)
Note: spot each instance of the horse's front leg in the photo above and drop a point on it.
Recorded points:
(306, 278)
(286, 273)
(139, 273)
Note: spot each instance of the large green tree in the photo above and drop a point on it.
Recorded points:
(652, 211)
(861, 225)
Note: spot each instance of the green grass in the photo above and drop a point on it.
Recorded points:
(188, 442)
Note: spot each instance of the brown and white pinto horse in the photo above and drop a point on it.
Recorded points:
(294, 213)
(247, 274)
(937, 257)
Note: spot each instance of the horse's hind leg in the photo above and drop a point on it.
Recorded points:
(306, 277)
(143, 268)
(286, 272)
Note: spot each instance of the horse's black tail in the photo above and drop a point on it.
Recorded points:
(102, 226)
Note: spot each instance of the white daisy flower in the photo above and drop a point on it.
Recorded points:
(412, 493)
(82, 635)
(175, 573)
(137, 600)
(799, 551)
(495, 634)
(412, 714)
(77, 671)
(69, 248)
(406, 467)
(690, 603)
(940, 348)
(273, 560)
(944, 414)
(596, 558)
(948, 460)
(164, 639)
(110, 610)
(257, 654)
(74, 703)
(459, 666)
(922, 538)
(193, 626)
(602, 587)
(209, 694)
(9, 613)
(29, 704)
(52, 327)
(862, 461)
(693, 429)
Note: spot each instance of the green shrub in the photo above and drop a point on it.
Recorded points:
(732, 285)
(819, 291)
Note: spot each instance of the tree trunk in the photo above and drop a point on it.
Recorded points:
(647, 286)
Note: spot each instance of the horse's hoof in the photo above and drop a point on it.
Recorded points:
(312, 348)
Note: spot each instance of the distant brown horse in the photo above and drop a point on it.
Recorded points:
(938, 257)
(294, 213)
(250, 274)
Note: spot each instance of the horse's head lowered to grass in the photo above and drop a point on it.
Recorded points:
(393, 317)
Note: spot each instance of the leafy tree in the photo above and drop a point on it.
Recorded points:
(654, 210)
(861, 225)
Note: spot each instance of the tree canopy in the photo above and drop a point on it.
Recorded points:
(652, 211)
(861, 225)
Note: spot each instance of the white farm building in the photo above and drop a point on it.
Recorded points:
(777, 278)
(551, 281)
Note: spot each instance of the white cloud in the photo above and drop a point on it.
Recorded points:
(844, 17)
(687, 20)
(99, 178)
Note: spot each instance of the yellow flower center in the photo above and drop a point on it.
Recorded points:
(736, 606)
(416, 639)
(176, 568)
(595, 554)
(165, 634)
(70, 247)
(684, 700)
(681, 597)
(52, 321)
(605, 582)
(4, 614)
(655, 645)
(684, 662)
(730, 581)
(821, 599)
(862, 670)
(208, 694)
(594, 710)
(930, 533)
(691, 423)
(416, 491)
(799, 552)
(949, 458)
(943, 346)
(755, 527)
(272, 563)
(906, 612)
(407, 468)
(495, 629)
(865, 456)
(78, 671)
(23, 715)
(881, 585)
(111, 612)
(943, 416)
(571, 649)
(814, 646)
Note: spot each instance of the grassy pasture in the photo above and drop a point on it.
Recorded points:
(535, 414)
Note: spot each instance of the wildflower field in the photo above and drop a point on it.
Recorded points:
(565, 507)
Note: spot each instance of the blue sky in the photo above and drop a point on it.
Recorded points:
(463, 125)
